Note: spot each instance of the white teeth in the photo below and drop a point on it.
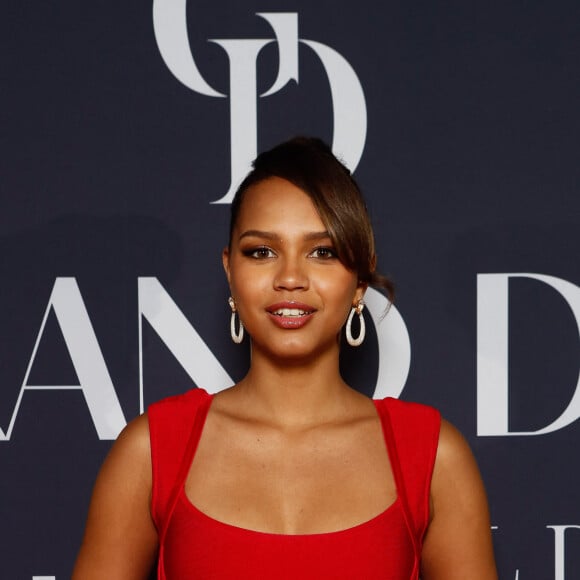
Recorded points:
(289, 312)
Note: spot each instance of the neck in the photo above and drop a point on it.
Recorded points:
(296, 393)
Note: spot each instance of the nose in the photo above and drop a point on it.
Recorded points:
(291, 274)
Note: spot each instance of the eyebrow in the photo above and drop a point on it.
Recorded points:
(273, 236)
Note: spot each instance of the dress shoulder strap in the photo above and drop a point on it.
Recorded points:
(411, 434)
(175, 426)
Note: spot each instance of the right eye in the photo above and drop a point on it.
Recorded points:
(261, 253)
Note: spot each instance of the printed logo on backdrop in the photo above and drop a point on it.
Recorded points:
(348, 101)
(165, 317)
(177, 333)
(492, 353)
(155, 305)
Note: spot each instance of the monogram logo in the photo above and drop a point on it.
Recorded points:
(348, 101)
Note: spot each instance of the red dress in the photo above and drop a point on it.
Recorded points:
(194, 545)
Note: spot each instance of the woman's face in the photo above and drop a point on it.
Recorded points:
(291, 291)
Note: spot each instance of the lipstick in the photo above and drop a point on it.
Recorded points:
(290, 314)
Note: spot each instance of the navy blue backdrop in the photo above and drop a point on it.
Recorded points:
(124, 127)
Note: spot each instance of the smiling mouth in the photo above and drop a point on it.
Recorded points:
(289, 312)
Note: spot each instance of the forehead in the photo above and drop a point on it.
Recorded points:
(276, 205)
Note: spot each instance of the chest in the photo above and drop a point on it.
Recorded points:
(316, 481)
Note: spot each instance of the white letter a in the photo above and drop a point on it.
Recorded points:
(81, 342)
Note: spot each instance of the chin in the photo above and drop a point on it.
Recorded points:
(294, 352)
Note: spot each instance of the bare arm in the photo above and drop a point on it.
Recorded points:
(120, 541)
(458, 541)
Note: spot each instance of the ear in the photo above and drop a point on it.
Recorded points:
(359, 293)
(226, 262)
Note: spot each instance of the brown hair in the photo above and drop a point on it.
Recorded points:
(309, 164)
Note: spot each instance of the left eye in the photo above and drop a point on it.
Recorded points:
(323, 253)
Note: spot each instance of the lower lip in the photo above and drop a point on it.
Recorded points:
(290, 322)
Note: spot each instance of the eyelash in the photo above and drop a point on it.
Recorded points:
(264, 253)
(330, 253)
(255, 253)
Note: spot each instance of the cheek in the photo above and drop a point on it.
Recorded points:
(246, 286)
(340, 291)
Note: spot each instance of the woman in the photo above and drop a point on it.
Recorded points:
(291, 473)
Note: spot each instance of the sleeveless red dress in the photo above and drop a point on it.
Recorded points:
(194, 545)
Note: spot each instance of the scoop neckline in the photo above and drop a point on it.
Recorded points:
(240, 529)
(209, 397)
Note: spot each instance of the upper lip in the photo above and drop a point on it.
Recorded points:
(290, 305)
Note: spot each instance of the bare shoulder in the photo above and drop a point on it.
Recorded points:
(133, 444)
(458, 541)
(129, 460)
(453, 452)
(120, 539)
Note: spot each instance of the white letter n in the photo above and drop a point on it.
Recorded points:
(159, 309)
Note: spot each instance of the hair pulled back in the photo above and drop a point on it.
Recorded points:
(310, 165)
